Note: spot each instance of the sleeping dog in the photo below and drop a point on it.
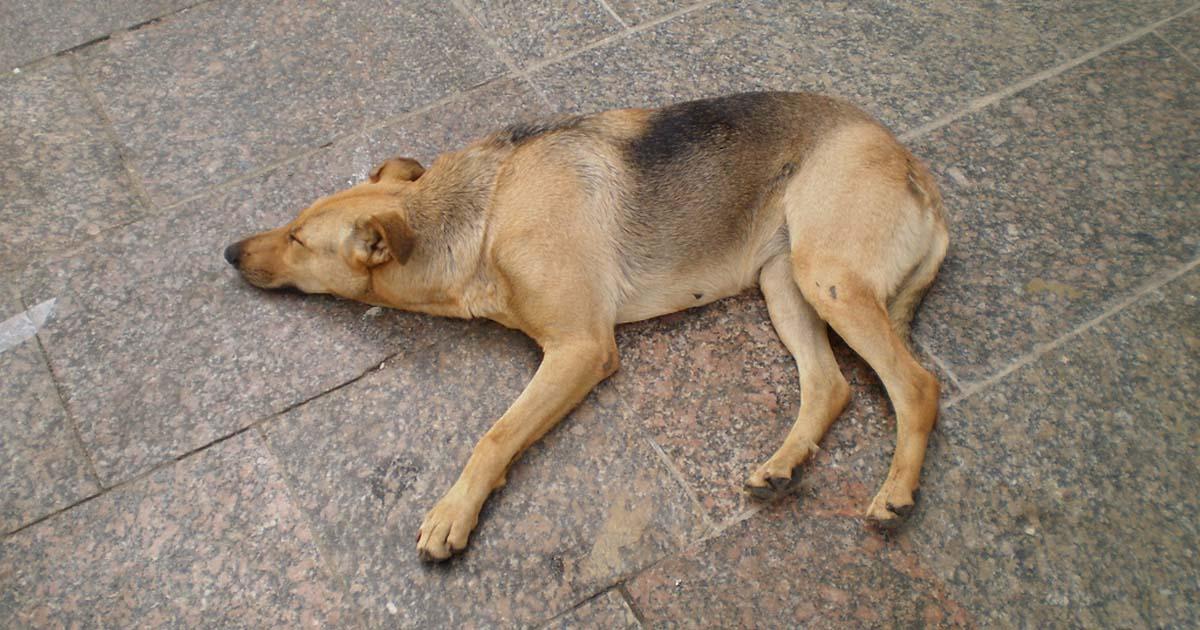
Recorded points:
(565, 227)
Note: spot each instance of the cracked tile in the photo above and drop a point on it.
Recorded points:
(605, 611)
(533, 31)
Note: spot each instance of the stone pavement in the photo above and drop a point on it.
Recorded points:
(177, 449)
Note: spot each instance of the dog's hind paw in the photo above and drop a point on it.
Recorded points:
(887, 516)
(446, 528)
(767, 487)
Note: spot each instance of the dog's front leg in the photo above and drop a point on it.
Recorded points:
(569, 370)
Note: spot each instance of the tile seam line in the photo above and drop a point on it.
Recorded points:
(673, 470)
(326, 558)
(332, 140)
(110, 133)
(72, 422)
(942, 365)
(105, 36)
(607, 7)
(986, 101)
(630, 603)
(1182, 55)
(510, 63)
(175, 459)
(1042, 350)
(633, 30)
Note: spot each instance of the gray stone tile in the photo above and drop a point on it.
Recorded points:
(634, 12)
(608, 611)
(1065, 495)
(717, 390)
(162, 349)
(42, 466)
(905, 62)
(30, 29)
(1062, 199)
(230, 87)
(211, 542)
(532, 31)
(1184, 34)
(785, 568)
(1076, 27)
(61, 177)
(587, 505)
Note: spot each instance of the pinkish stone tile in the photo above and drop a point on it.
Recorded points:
(589, 504)
(230, 87)
(785, 568)
(42, 465)
(212, 541)
(61, 177)
(162, 348)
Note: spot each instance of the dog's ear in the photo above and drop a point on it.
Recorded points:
(399, 169)
(382, 237)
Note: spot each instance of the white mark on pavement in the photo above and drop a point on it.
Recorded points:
(22, 326)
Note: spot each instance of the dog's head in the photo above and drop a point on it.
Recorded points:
(336, 244)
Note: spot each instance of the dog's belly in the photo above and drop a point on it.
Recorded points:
(666, 294)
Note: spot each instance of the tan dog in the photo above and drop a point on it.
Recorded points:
(566, 227)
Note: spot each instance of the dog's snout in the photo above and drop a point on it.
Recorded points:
(233, 254)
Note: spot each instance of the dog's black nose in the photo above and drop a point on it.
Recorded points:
(233, 254)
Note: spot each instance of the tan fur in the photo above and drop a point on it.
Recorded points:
(566, 227)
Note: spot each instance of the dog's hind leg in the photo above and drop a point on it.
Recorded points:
(823, 390)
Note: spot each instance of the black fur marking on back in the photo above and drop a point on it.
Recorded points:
(522, 132)
(677, 131)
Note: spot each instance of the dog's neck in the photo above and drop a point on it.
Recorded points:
(447, 274)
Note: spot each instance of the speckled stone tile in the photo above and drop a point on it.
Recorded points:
(905, 62)
(211, 542)
(30, 29)
(1062, 199)
(532, 31)
(42, 466)
(1065, 495)
(161, 348)
(1184, 34)
(634, 12)
(608, 611)
(1078, 26)
(230, 87)
(786, 568)
(61, 178)
(718, 391)
(587, 505)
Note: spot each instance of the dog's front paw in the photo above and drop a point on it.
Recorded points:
(890, 509)
(447, 527)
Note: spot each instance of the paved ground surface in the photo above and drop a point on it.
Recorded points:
(178, 449)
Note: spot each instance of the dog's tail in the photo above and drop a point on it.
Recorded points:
(912, 289)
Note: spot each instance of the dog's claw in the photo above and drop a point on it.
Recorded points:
(897, 515)
(775, 488)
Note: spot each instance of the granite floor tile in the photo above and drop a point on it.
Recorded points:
(717, 390)
(634, 12)
(1184, 34)
(1076, 27)
(230, 87)
(533, 31)
(161, 348)
(608, 611)
(212, 542)
(42, 465)
(786, 568)
(61, 177)
(905, 62)
(30, 29)
(1062, 199)
(584, 507)
(1065, 495)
